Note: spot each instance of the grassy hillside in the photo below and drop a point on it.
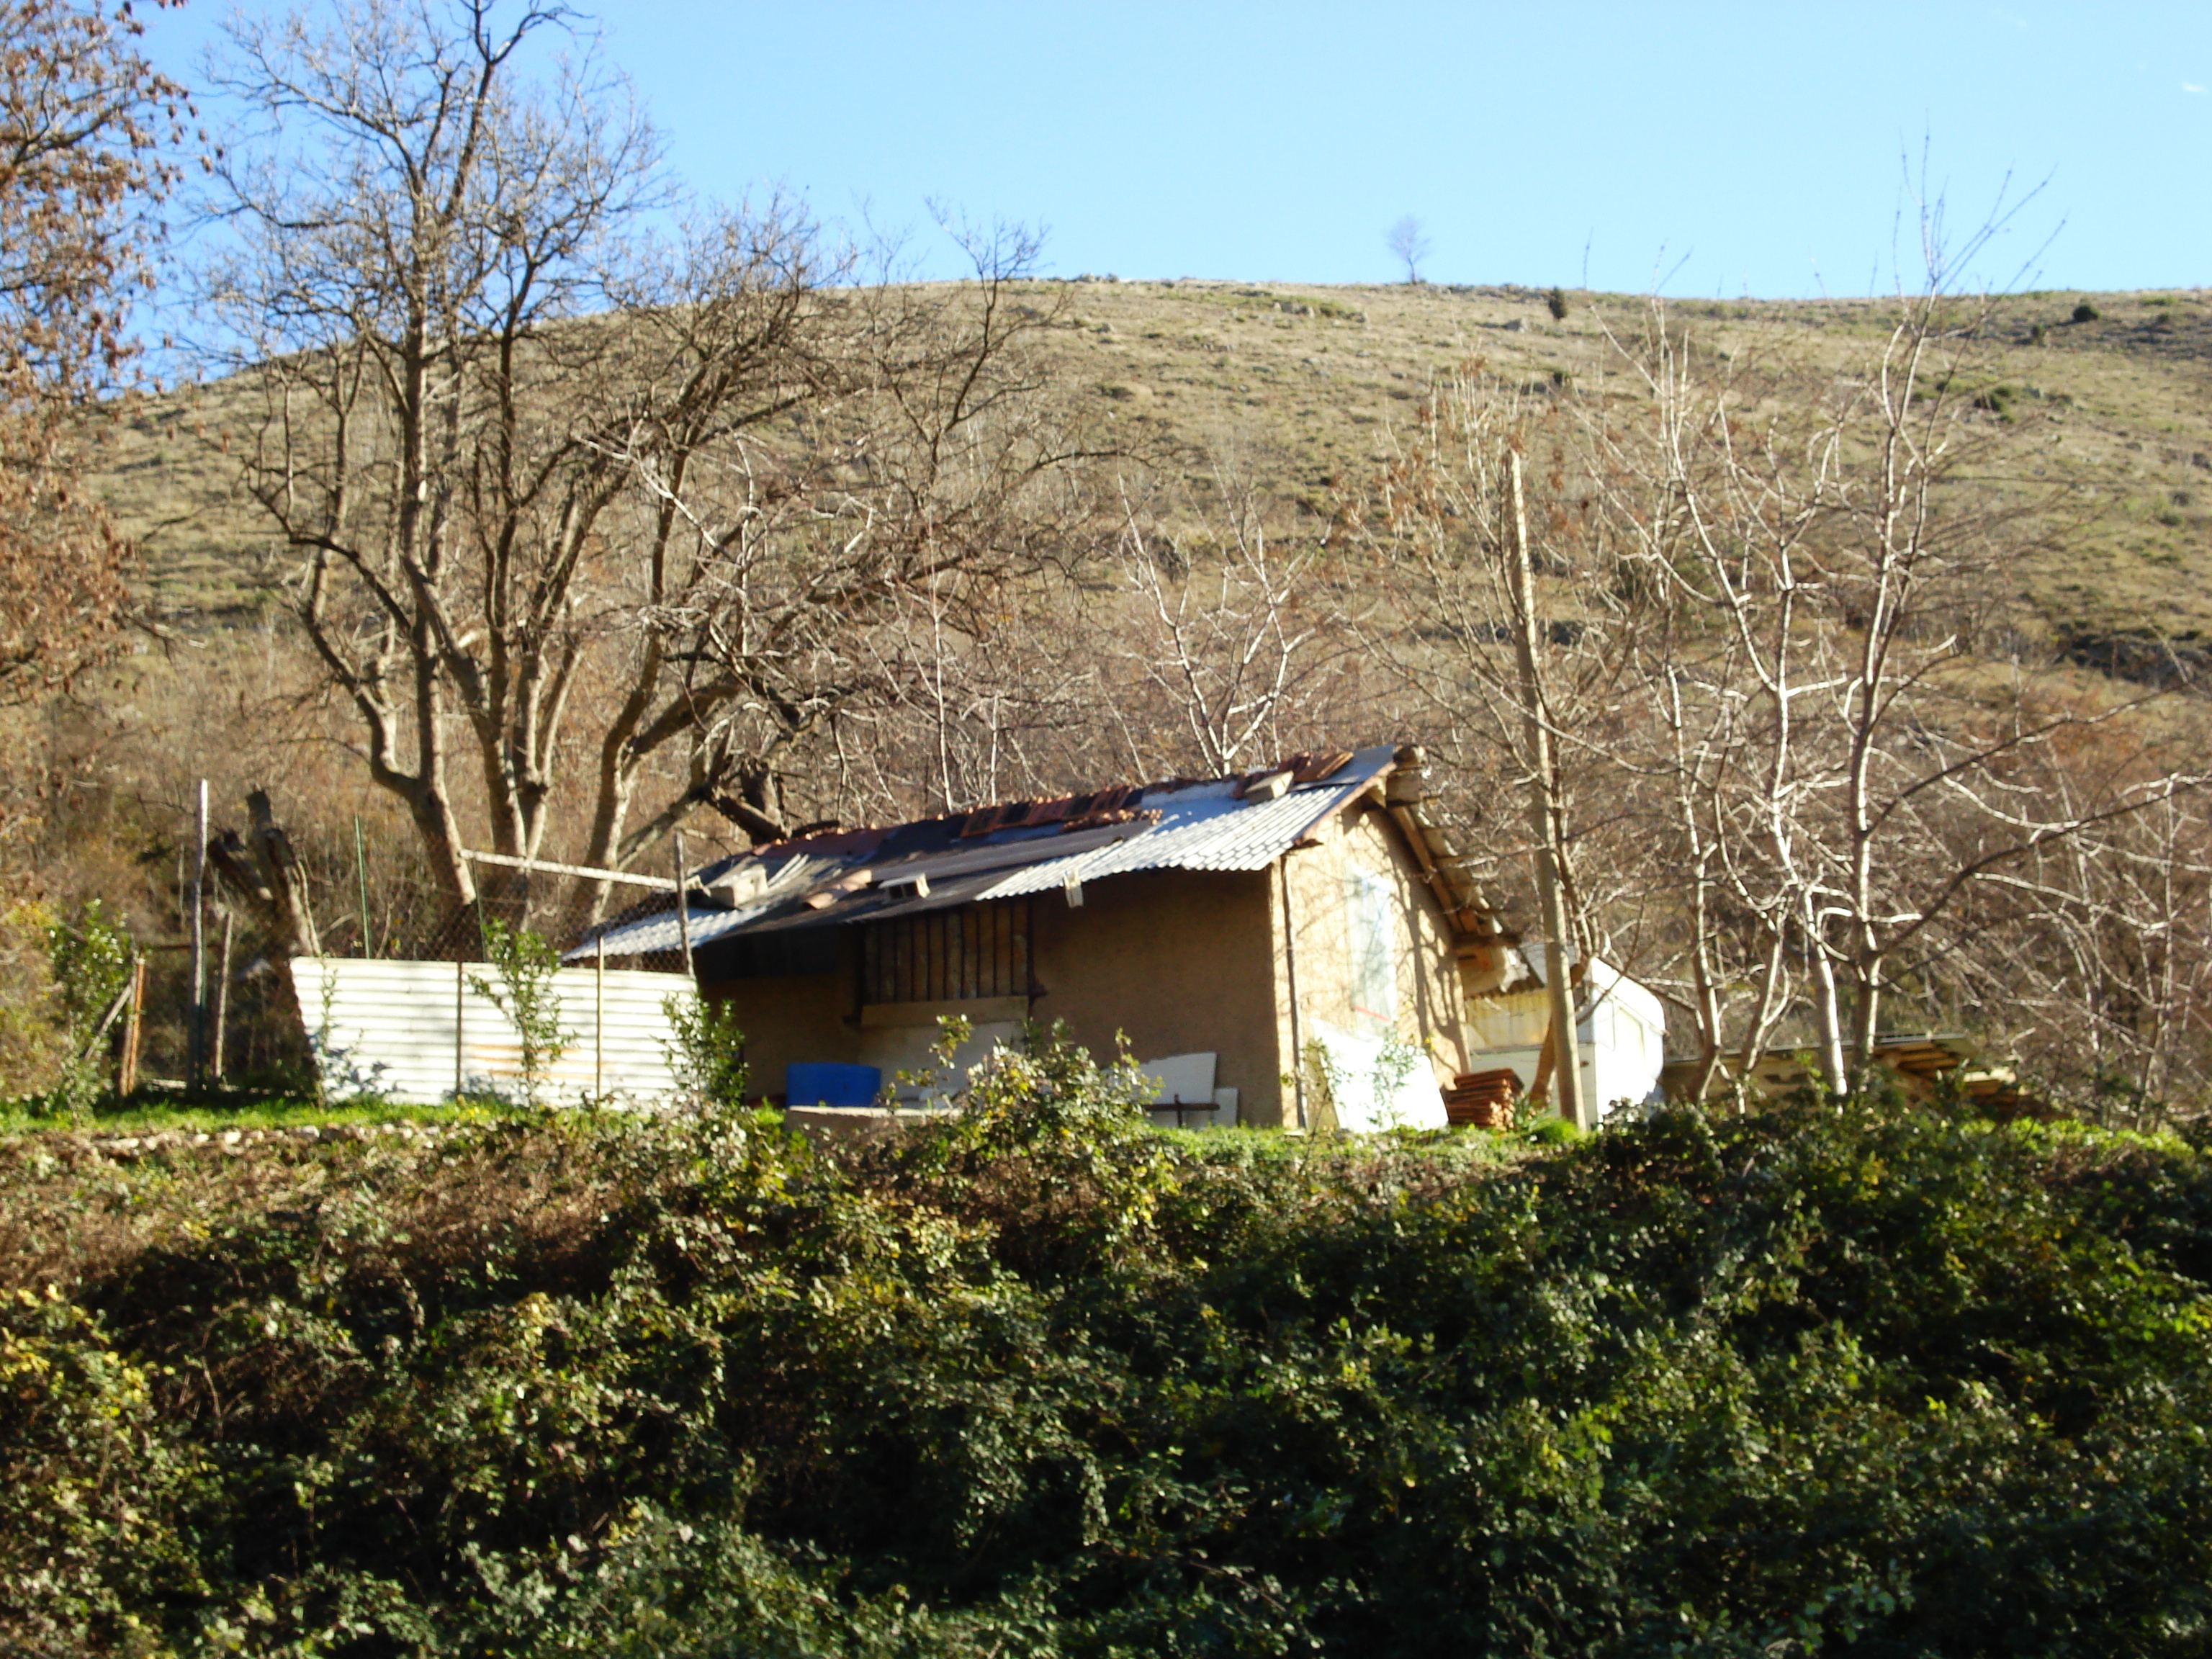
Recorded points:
(1305, 382)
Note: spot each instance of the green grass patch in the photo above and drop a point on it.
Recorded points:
(260, 1112)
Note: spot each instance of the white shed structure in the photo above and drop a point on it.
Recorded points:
(1621, 1039)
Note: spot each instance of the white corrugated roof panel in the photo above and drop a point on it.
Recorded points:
(649, 934)
(1210, 832)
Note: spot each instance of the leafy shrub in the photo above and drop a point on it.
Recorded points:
(523, 987)
(93, 1492)
(1557, 303)
(1037, 1378)
(90, 958)
(708, 1052)
(2085, 312)
(1997, 400)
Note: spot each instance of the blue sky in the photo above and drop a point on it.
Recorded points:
(1722, 148)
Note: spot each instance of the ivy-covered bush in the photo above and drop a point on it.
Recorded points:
(89, 955)
(1041, 1379)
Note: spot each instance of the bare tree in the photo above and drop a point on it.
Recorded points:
(1409, 245)
(1786, 785)
(1236, 646)
(528, 460)
(2101, 983)
(1854, 771)
(927, 467)
(1516, 681)
(981, 703)
(409, 238)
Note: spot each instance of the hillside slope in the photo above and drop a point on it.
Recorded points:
(1303, 383)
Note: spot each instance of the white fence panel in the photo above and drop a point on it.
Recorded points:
(409, 1032)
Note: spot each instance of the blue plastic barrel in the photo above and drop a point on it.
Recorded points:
(822, 1082)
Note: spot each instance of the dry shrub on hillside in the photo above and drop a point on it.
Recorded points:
(79, 114)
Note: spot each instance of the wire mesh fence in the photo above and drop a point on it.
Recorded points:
(209, 1004)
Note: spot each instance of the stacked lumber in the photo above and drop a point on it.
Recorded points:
(1481, 1100)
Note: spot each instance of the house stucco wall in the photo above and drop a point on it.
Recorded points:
(1426, 1011)
(1179, 960)
(801, 1017)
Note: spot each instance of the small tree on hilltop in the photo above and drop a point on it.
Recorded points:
(1408, 244)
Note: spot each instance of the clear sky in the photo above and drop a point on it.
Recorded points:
(1722, 148)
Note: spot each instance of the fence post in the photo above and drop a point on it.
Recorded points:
(222, 993)
(599, 1025)
(682, 905)
(460, 982)
(198, 1047)
(361, 876)
(133, 1024)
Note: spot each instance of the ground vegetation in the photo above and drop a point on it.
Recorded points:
(1844, 1379)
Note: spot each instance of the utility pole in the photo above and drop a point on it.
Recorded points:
(1543, 806)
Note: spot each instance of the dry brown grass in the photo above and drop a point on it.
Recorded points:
(1306, 382)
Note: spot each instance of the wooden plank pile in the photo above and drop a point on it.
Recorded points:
(1481, 1100)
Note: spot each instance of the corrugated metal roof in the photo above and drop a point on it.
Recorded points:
(650, 934)
(854, 877)
(1203, 833)
(388, 1028)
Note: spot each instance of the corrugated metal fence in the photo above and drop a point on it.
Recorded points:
(415, 1033)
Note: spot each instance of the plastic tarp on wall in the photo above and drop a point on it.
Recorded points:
(411, 1032)
(1378, 1082)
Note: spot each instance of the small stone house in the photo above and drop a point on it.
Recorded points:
(1280, 948)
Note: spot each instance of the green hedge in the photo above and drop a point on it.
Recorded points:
(1044, 1381)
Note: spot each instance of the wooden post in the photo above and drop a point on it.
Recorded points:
(1290, 975)
(361, 876)
(222, 993)
(1542, 814)
(682, 904)
(1546, 1057)
(134, 1024)
(197, 924)
(459, 992)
